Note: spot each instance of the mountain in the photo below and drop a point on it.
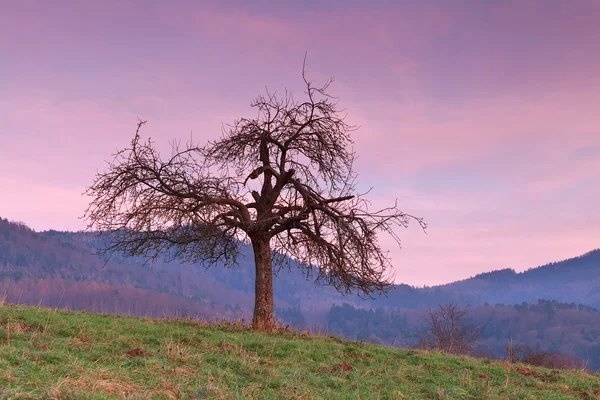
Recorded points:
(576, 280)
(35, 260)
(61, 267)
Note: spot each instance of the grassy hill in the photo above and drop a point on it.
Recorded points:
(47, 353)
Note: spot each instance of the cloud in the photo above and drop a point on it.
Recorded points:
(506, 135)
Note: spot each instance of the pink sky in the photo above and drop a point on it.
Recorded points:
(481, 117)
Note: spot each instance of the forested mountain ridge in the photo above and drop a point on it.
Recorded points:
(70, 256)
(575, 280)
(37, 266)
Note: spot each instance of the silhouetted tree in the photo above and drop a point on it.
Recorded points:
(448, 330)
(197, 203)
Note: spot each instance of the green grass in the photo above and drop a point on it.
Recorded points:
(48, 354)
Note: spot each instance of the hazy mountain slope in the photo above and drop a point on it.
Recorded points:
(70, 256)
(27, 257)
(576, 280)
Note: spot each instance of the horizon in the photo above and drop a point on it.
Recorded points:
(482, 119)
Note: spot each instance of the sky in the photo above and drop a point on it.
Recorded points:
(483, 117)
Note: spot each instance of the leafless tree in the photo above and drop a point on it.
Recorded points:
(284, 181)
(448, 330)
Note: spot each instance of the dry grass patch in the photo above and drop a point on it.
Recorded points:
(93, 382)
(137, 352)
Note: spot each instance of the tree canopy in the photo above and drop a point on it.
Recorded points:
(283, 180)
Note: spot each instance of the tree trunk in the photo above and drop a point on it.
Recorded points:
(264, 317)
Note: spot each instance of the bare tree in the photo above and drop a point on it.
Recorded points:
(282, 180)
(448, 330)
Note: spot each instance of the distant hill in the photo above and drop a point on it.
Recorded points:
(41, 266)
(576, 280)
(61, 267)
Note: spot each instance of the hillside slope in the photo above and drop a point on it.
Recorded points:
(68, 258)
(52, 268)
(576, 280)
(48, 354)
